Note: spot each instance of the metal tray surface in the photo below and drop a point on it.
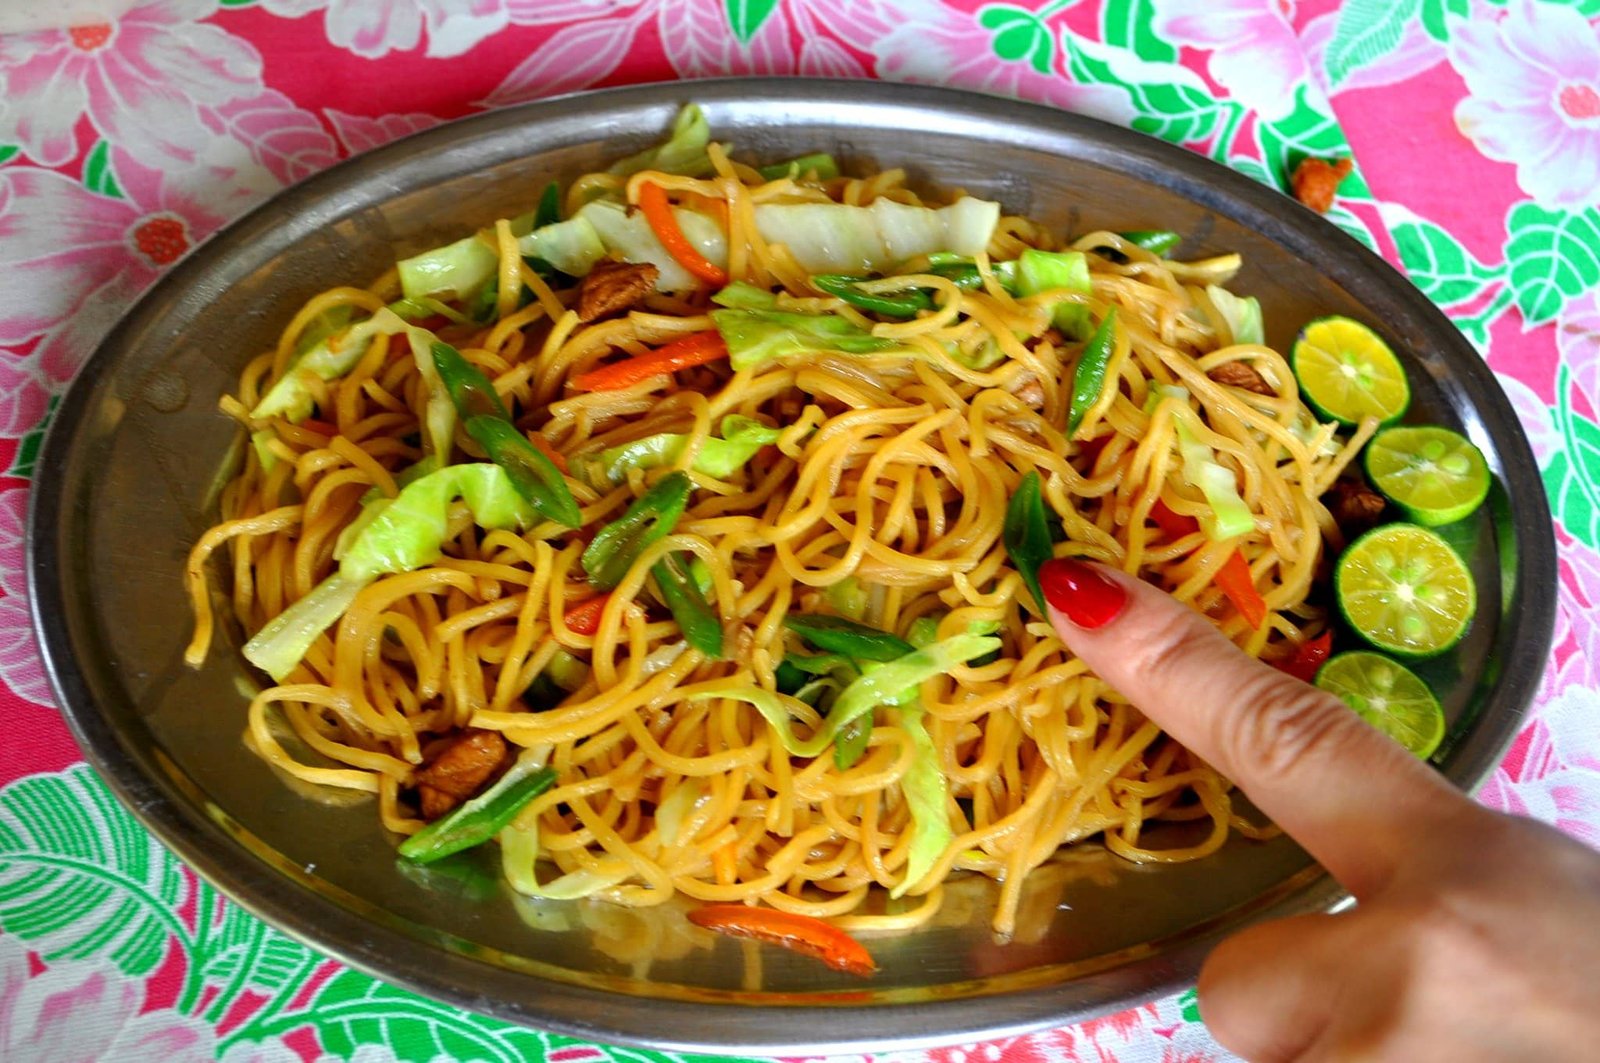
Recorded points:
(127, 483)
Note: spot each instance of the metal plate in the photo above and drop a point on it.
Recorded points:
(126, 482)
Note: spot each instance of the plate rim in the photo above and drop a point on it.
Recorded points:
(339, 933)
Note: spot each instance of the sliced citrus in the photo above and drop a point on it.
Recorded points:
(1404, 590)
(1435, 475)
(1348, 373)
(1387, 695)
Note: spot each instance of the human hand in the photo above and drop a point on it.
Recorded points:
(1476, 936)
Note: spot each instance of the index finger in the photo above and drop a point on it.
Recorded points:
(1354, 798)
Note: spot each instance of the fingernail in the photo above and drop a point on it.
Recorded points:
(1087, 596)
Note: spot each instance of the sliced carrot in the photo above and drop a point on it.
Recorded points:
(1235, 581)
(692, 350)
(800, 933)
(584, 618)
(658, 212)
(1309, 657)
(545, 447)
(322, 428)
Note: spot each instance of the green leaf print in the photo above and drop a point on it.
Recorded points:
(23, 461)
(352, 1009)
(1189, 1006)
(1019, 35)
(80, 878)
(97, 173)
(239, 952)
(1554, 256)
(746, 16)
(1307, 131)
(1367, 31)
(7, 153)
(1173, 103)
(1436, 15)
(1438, 263)
(1574, 471)
(1349, 221)
(1127, 25)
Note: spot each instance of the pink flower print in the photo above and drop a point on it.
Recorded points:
(1255, 54)
(73, 1012)
(77, 259)
(947, 47)
(141, 79)
(1578, 340)
(1534, 79)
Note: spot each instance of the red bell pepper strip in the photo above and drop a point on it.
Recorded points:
(1309, 658)
(1173, 524)
(584, 618)
(1233, 578)
(658, 212)
(699, 348)
(801, 933)
(1235, 581)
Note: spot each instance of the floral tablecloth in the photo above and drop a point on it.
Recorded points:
(1475, 125)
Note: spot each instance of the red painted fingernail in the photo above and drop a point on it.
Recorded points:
(1088, 597)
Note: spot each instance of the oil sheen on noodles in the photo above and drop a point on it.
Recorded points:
(890, 477)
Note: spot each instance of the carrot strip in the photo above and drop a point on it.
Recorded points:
(658, 212)
(1235, 581)
(697, 349)
(322, 428)
(545, 447)
(800, 933)
(584, 618)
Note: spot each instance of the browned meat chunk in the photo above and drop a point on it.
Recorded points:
(1355, 506)
(459, 771)
(1242, 375)
(1315, 182)
(1029, 390)
(612, 287)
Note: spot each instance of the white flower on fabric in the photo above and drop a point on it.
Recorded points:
(374, 28)
(1255, 54)
(1534, 79)
(947, 47)
(72, 1012)
(142, 79)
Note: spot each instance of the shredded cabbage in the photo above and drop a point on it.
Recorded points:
(836, 237)
(741, 438)
(1242, 315)
(927, 793)
(683, 152)
(279, 647)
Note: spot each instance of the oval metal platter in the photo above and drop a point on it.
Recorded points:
(129, 474)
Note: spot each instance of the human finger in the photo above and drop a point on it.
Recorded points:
(1354, 798)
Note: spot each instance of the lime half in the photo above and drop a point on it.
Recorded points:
(1348, 373)
(1404, 590)
(1435, 475)
(1387, 695)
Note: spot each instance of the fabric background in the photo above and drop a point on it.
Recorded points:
(1475, 125)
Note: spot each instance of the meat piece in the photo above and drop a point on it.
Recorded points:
(1242, 375)
(1355, 506)
(1315, 181)
(1029, 390)
(612, 287)
(459, 771)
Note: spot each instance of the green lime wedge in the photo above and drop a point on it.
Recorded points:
(1387, 695)
(1348, 373)
(1404, 590)
(1435, 475)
